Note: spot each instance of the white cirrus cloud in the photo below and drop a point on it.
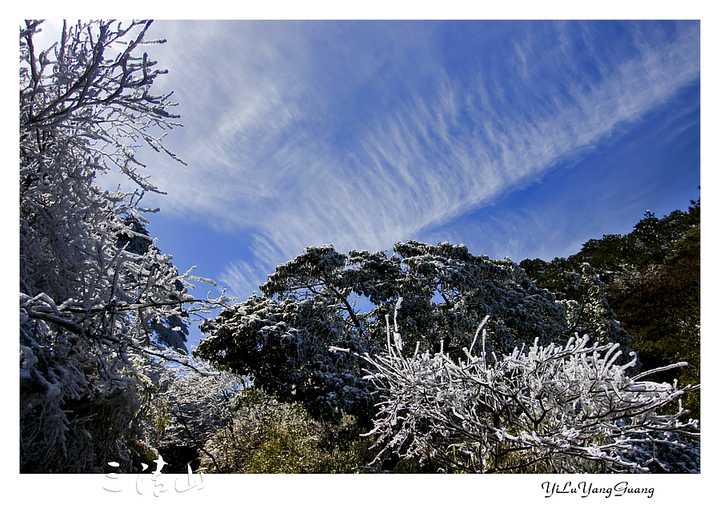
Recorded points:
(307, 133)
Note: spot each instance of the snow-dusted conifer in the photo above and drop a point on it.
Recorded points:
(282, 338)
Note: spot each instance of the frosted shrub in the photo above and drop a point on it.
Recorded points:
(558, 408)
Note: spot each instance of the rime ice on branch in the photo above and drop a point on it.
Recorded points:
(93, 304)
(557, 408)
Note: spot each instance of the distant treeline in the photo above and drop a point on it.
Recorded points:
(652, 282)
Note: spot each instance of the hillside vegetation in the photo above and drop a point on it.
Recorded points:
(407, 374)
(652, 280)
(426, 358)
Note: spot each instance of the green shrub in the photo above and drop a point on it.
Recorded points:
(267, 436)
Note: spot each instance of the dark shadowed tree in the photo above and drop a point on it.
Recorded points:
(324, 299)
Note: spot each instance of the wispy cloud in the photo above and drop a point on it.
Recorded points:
(268, 152)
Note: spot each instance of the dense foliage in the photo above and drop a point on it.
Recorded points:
(311, 303)
(271, 437)
(314, 374)
(652, 280)
(97, 297)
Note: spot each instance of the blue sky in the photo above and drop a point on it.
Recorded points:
(523, 139)
(519, 139)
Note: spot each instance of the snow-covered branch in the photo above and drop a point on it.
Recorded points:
(97, 297)
(557, 408)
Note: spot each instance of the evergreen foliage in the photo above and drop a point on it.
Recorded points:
(284, 346)
(651, 278)
(282, 339)
(270, 437)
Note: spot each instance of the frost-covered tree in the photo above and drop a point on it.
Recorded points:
(284, 347)
(170, 330)
(446, 290)
(555, 409)
(324, 298)
(91, 303)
